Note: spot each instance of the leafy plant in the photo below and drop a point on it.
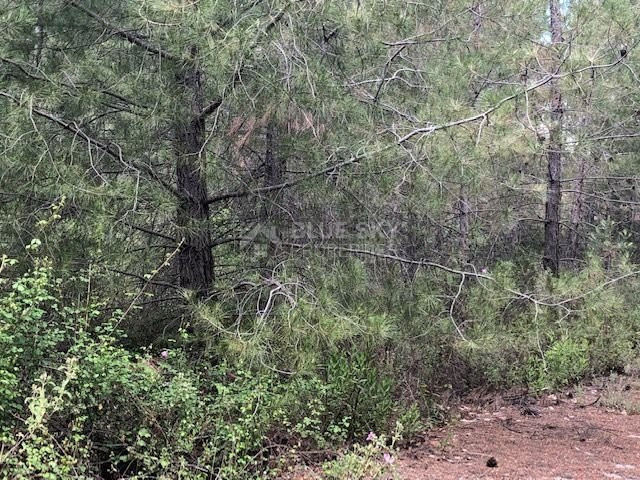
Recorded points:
(565, 361)
(360, 391)
(373, 460)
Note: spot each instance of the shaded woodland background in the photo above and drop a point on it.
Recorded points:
(232, 227)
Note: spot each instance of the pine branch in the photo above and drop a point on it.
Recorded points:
(111, 149)
(130, 37)
(145, 280)
(215, 104)
(209, 109)
(151, 232)
(483, 115)
(464, 273)
(257, 191)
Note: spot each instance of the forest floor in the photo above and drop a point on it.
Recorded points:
(592, 432)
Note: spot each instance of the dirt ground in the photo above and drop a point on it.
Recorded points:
(555, 438)
(589, 433)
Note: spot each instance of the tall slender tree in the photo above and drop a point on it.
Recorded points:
(551, 257)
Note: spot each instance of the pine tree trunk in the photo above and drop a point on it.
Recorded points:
(412, 235)
(477, 11)
(273, 174)
(576, 211)
(274, 170)
(195, 260)
(551, 257)
(463, 223)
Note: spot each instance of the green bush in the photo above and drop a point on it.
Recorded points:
(76, 402)
(557, 341)
(372, 460)
(91, 407)
(564, 362)
(359, 389)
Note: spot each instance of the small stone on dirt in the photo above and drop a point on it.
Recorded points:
(492, 462)
(527, 410)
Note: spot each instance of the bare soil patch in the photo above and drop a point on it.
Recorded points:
(565, 436)
(591, 433)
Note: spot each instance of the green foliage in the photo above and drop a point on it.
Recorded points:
(305, 412)
(296, 329)
(157, 413)
(372, 460)
(37, 452)
(360, 390)
(556, 342)
(407, 136)
(90, 406)
(498, 359)
(27, 335)
(564, 362)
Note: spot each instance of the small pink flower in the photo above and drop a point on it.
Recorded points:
(484, 270)
(388, 458)
(164, 354)
(371, 437)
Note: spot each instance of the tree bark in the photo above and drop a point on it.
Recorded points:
(463, 223)
(274, 168)
(551, 257)
(274, 173)
(576, 211)
(195, 259)
(40, 33)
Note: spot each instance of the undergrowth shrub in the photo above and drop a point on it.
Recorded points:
(581, 324)
(310, 369)
(564, 362)
(359, 389)
(371, 460)
(75, 403)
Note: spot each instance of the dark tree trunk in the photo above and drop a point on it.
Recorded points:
(412, 235)
(463, 223)
(195, 260)
(576, 211)
(413, 244)
(551, 257)
(274, 170)
(477, 11)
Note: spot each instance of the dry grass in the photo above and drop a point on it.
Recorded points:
(622, 393)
